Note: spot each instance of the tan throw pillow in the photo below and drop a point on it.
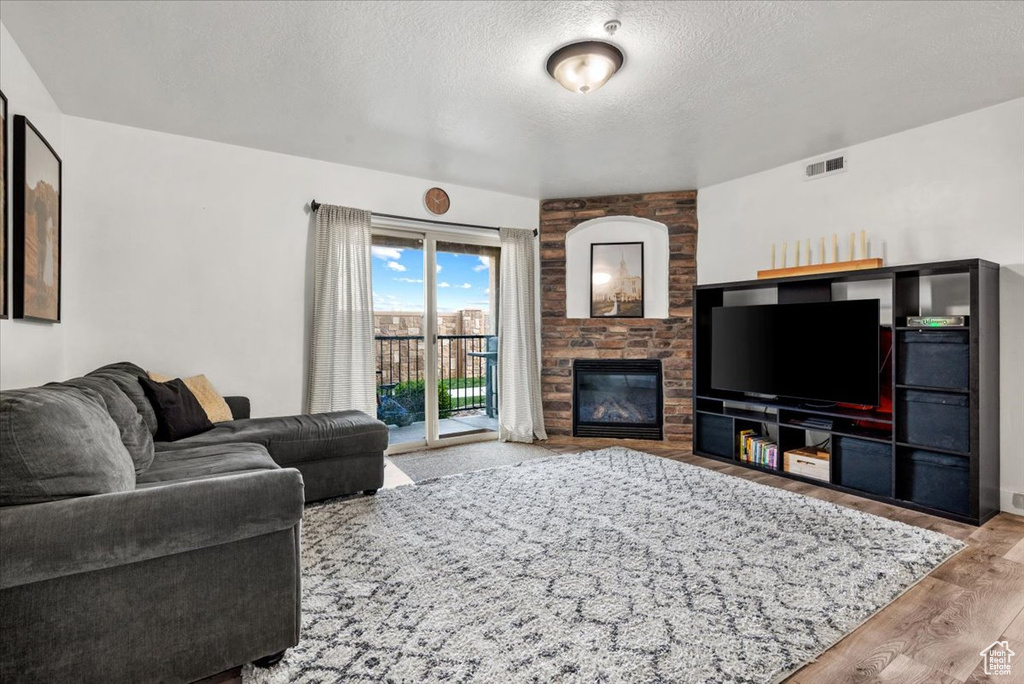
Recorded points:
(217, 410)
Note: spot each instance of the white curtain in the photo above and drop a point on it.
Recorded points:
(520, 413)
(341, 359)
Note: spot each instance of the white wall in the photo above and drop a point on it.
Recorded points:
(949, 190)
(188, 256)
(652, 234)
(31, 352)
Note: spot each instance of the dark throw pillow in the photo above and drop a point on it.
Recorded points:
(178, 413)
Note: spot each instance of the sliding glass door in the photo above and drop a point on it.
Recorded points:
(399, 336)
(467, 342)
(435, 311)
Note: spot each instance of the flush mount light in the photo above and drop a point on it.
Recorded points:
(585, 66)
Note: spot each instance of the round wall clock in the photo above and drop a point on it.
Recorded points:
(437, 201)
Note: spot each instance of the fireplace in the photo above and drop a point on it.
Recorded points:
(612, 398)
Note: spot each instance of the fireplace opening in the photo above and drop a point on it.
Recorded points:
(613, 398)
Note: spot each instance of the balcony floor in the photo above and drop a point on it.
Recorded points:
(449, 427)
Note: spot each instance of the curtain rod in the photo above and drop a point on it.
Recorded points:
(314, 205)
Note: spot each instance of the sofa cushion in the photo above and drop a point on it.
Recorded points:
(201, 462)
(134, 432)
(178, 412)
(126, 375)
(57, 443)
(294, 439)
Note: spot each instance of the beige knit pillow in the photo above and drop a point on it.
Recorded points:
(217, 410)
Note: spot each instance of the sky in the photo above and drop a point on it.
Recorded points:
(462, 281)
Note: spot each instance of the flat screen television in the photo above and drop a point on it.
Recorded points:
(821, 352)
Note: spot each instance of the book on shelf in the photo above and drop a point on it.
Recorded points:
(758, 450)
(743, 443)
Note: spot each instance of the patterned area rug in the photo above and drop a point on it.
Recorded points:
(609, 566)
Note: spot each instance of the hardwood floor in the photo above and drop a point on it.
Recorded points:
(934, 633)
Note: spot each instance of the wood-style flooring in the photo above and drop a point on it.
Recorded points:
(934, 633)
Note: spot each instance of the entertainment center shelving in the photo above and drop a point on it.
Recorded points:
(938, 450)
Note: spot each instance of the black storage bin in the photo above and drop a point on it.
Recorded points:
(714, 435)
(935, 419)
(934, 359)
(860, 464)
(936, 480)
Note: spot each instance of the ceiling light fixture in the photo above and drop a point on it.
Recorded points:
(585, 66)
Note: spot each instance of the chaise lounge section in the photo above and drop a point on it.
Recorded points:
(338, 453)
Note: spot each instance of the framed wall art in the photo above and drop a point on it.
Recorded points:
(37, 225)
(617, 280)
(3, 205)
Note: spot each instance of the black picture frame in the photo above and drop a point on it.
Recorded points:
(628, 297)
(4, 190)
(23, 289)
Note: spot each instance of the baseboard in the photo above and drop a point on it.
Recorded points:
(1006, 502)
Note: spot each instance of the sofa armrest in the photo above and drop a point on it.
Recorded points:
(59, 538)
(239, 407)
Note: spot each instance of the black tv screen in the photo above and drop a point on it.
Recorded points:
(824, 352)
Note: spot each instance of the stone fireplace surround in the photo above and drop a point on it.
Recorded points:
(668, 339)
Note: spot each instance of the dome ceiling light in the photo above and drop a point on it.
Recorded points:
(585, 66)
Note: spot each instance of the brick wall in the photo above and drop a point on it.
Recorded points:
(402, 360)
(461, 322)
(669, 339)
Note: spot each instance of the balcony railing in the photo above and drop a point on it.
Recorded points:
(461, 369)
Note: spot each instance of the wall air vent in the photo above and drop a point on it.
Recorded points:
(828, 166)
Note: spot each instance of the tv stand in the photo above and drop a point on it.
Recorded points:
(938, 450)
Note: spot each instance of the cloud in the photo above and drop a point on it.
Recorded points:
(443, 284)
(466, 286)
(487, 291)
(389, 302)
(409, 280)
(395, 266)
(386, 252)
(485, 263)
(439, 268)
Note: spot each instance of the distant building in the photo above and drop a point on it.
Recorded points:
(623, 287)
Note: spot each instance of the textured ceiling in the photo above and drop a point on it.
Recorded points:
(457, 91)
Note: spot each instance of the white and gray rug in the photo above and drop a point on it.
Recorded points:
(609, 566)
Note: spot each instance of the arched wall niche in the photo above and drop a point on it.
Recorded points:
(652, 234)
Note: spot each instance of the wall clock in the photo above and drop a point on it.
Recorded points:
(437, 201)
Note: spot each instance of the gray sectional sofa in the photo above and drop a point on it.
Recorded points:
(125, 560)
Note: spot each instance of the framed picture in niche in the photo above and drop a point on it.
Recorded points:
(617, 280)
(37, 225)
(3, 205)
